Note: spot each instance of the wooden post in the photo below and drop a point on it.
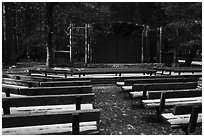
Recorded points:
(147, 44)
(86, 44)
(142, 48)
(193, 119)
(144, 92)
(7, 93)
(160, 43)
(75, 123)
(78, 102)
(70, 43)
(90, 44)
(159, 35)
(162, 103)
(6, 107)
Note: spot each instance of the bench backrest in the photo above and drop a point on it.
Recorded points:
(165, 86)
(65, 83)
(186, 108)
(160, 80)
(46, 90)
(41, 78)
(45, 84)
(157, 76)
(174, 93)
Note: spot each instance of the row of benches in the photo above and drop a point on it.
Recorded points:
(116, 71)
(52, 107)
(165, 92)
(178, 70)
(88, 71)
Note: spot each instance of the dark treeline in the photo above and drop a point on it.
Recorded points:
(29, 28)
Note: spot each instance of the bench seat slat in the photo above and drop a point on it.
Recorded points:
(50, 129)
(48, 108)
(179, 120)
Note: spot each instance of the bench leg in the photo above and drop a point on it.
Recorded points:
(144, 96)
(7, 93)
(75, 124)
(29, 72)
(6, 108)
(78, 103)
(193, 120)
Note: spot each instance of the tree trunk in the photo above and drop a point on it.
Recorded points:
(191, 55)
(49, 61)
(9, 44)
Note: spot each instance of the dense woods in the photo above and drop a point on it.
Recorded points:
(33, 30)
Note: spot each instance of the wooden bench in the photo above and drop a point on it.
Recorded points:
(186, 116)
(121, 80)
(15, 121)
(31, 78)
(160, 80)
(179, 69)
(45, 84)
(40, 78)
(113, 71)
(141, 89)
(22, 90)
(164, 99)
(49, 71)
(192, 70)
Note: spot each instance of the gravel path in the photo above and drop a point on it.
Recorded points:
(122, 115)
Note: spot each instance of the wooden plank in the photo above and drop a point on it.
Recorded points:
(8, 86)
(155, 103)
(126, 88)
(165, 86)
(112, 71)
(174, 100)
(120, 84)
(54, 129)
(48, 100)
(30, 78)
(160, 80)
(20, 82)
(168, 104)
(49, 71)
(185, 108)
(48, 108)
(123, 78)
(179, 120)
(49, 118)
(174, 93)
(42, 78)
(48, 90)
(65, 83)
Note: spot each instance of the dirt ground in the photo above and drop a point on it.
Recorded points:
(120, 114)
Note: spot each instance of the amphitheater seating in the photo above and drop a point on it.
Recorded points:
(186, 116)
(31, 115)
